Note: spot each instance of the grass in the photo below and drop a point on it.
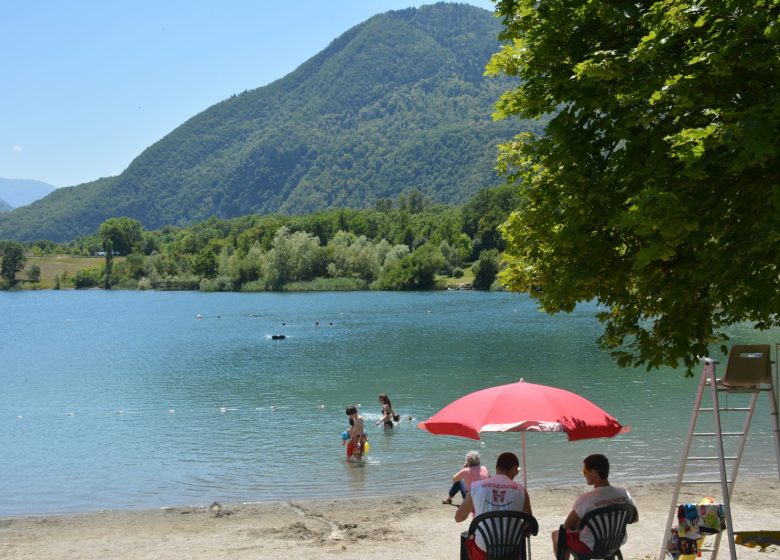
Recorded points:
(467, 278)
(53, 265)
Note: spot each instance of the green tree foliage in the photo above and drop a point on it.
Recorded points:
(124, 233)
(133, 266)
(352, 256)
(337, 249)
(34, 273)
(655, 188)
(294, 257)
(87, 278)
(484, 213)
(118, 236)
(205, 263)
(108, 268)
(12, 260)
(485, 269)
(416, 271)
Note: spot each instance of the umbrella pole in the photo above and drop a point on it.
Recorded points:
(525, 478)
(525, 483)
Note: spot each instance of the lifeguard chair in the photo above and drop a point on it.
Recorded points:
(748, 371)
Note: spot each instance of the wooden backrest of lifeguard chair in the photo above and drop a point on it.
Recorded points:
(749, 365)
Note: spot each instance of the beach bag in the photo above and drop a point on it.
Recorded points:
(396, 416)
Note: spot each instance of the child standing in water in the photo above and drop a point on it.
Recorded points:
(357, 433)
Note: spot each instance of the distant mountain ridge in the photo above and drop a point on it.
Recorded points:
(20, 192)
(395, 103)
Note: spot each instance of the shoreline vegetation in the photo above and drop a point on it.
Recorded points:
(66, 269)
(409, 526)
(412, 246)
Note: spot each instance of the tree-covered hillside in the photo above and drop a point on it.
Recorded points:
(398, 102)
(4, 206)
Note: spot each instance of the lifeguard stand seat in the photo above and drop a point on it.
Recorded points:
(749, 366)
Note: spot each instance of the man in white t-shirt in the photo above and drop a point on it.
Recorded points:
(497, 493)
(596, 472)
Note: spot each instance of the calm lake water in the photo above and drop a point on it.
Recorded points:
(125, 400)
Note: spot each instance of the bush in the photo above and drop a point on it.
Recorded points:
(328, 285)
(485, 269)
(219, 284)
(34, 273)
(86, 278)
(457, 273)
(255, 286)
(125, 284)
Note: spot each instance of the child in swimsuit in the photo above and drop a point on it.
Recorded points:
(357, 433)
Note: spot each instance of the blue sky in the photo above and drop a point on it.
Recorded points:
(86, 85)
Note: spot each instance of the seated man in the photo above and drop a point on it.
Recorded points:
(596, 472)
(497, 493)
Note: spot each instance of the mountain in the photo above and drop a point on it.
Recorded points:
(20, 192)
(4, 206)
(395, 103)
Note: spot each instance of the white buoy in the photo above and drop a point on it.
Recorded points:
(171, 411)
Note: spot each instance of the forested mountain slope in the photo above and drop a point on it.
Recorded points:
(395, 103)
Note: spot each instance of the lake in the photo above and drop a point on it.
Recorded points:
(129, 400)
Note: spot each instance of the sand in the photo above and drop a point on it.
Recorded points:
(404, 526)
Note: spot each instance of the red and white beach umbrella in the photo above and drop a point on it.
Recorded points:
(523, 407)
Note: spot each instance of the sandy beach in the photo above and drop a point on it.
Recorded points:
(408, 526)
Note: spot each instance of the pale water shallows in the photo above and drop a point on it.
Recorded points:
(147, 399)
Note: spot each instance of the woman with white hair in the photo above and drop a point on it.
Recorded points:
(471, 471)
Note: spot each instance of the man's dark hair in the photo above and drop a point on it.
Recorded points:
(351, 409)
(598, 463)
(506, 461)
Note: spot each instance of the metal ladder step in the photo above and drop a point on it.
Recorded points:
(706, 482)
(730, 409)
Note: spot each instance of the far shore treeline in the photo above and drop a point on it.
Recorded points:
(406, 244)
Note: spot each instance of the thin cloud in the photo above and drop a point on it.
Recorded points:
(17, 149)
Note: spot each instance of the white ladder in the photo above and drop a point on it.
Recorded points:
(726, 479)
